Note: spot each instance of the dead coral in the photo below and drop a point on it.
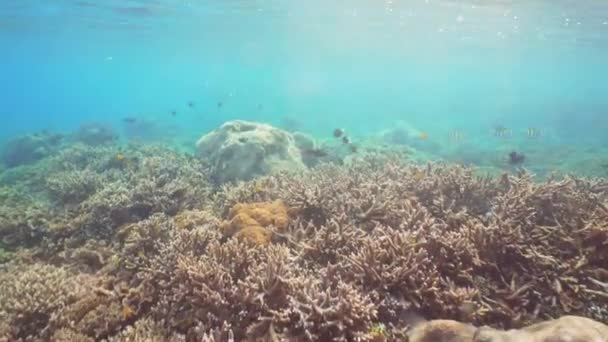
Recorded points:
(252, 221)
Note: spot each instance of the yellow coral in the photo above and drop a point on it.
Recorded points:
(250, 221)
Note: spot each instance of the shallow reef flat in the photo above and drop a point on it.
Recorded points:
(140, 243)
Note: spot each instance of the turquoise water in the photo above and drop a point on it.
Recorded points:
(439, 66)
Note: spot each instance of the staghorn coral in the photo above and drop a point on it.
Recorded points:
(31, 296)
(365, 244)
(68, 335)
(146, 330)
(23, 218)
(252, 222)
(72, 187)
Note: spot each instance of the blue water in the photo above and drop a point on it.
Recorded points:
(360, 65)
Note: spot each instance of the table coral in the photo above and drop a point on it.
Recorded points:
(252, 221)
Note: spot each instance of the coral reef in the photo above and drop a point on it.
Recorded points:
(241, 150)
(30, 148)
(31, 295)
(95, 134)
(566, 328)
(253, 221)
(135, 244)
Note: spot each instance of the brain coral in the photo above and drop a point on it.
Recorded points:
(251, 221)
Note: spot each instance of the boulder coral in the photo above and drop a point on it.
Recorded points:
(563, 329)
(241, 150)
(252, 221)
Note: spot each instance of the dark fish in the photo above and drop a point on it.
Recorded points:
(516, 158)
(173, 113)
(219, 104)
(353, 148)
(338, 132)
(315, 152)
(346, 140)
(191, 104)
(129, 120)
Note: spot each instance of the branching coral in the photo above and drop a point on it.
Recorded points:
(30, 297)
(355, 248)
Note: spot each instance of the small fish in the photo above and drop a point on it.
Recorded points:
(338, 132)
(346, 140)
(315, 152)
(423, 136)
(457, 135)
(534, 133)
(353, 148)
(120, 157)
(129, 120)
(190, 104)
(260, 106)
(501, 132)
(220, 104)
(173, 113)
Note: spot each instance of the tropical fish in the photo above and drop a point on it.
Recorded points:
(423, 136)
(346, 140)
(534, 133)
(219, 104)
(129, 120)
(190, 104)
(173, 113)
(338, 132)
(501, 131)
(456, 135)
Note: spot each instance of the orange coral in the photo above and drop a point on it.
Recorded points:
(250, 221)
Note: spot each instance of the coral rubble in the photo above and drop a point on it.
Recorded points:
(104, 249)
